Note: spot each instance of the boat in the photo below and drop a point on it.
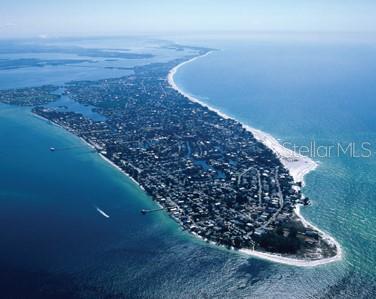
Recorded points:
(102, 212)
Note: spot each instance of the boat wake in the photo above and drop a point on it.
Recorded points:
(102, 212)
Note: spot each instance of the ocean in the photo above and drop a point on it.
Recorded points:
(55, 244)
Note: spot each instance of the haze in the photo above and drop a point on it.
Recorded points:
(24, 18)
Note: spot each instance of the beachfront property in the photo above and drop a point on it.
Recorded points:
(208, 172)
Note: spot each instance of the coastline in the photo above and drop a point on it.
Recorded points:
(103, 157)
(298, 166)
(92, 146)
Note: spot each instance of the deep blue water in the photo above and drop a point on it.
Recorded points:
(56, 245)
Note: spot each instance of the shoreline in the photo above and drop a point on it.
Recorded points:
(298, 166)
(103, 157)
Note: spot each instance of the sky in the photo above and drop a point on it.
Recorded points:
(33, 18)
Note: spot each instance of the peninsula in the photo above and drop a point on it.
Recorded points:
(220, 180)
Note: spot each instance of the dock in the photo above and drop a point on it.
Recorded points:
(145, 211)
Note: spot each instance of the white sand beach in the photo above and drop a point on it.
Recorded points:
(298, 166)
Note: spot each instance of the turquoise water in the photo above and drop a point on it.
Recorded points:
(305, 92)
(55, 244)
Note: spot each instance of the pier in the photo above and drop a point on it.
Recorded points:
(146, 211)
(69, 148)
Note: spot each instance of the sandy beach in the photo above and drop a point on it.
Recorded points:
(298, 166)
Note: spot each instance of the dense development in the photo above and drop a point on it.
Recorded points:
(209, 173)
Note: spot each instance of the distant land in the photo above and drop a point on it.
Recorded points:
(9, 48)
(10, 64)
